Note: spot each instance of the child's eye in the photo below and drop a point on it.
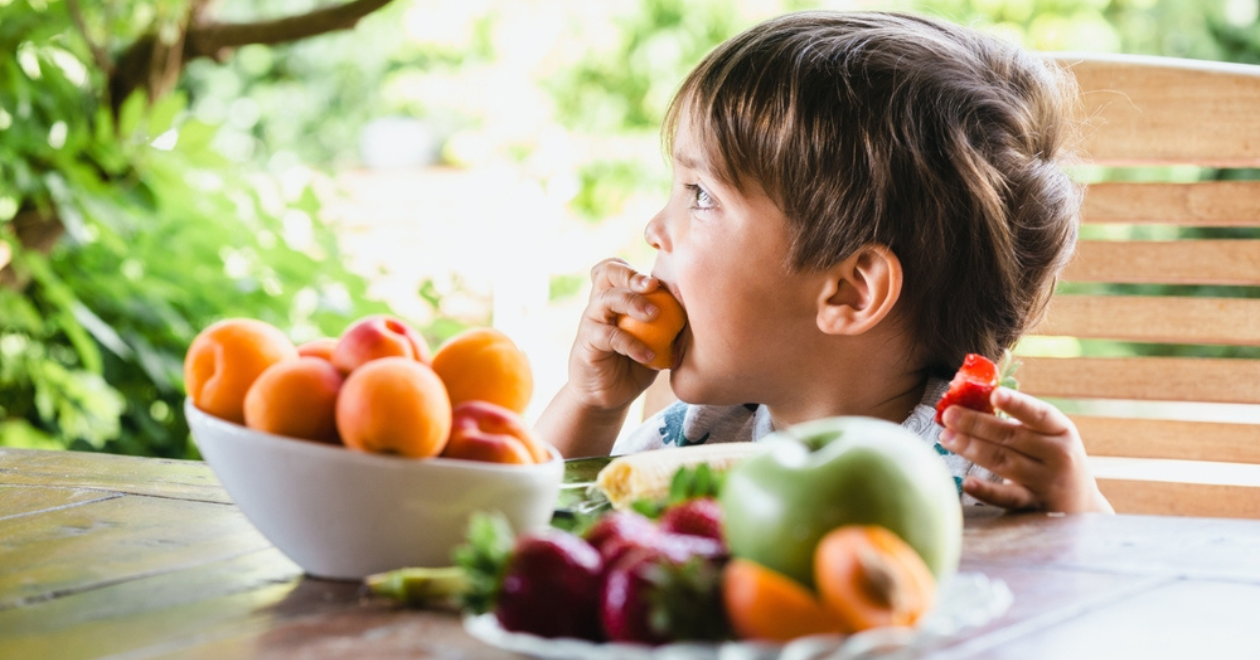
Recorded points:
(701, 200)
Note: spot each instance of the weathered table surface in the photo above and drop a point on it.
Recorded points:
(106, 556)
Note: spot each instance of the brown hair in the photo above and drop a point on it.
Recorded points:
(937, 141)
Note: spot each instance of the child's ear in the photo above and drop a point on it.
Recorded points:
(860, 291)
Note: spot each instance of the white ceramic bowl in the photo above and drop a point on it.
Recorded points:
(344, 514)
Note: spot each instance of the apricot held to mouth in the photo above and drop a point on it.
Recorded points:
(659, 333)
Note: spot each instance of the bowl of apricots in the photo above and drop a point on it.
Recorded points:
(368, 452)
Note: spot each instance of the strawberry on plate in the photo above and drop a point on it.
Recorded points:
(656, 596)
(546, 583)
(620, 532)
(551, 587)
(700, 516)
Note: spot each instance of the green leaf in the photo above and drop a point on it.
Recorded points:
(64, 298)
(100, 330)
(649, 508)
(162, 114)
(484, 558)
(104, 126)
(17, 313)
(1007, 367)
(703, 482)
(132, 112)
(680, 484)
(21, 434)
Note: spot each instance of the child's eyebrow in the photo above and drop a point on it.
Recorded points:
(689, 162)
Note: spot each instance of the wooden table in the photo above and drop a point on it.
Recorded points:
(106, 556)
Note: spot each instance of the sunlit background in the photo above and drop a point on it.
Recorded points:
(456, 162)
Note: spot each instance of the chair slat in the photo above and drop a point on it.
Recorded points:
(1212, 261)
(1205, 204)
(1148, 121)
(1181, 499)
(1174, 320)
(1209, 380)
(1169, 439)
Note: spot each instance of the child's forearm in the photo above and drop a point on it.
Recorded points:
(578, 430)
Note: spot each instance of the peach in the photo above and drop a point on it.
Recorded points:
(659, 334)
(378, 336)
(394, 405)
(321, 348)
(224, 360)
(483, 364)
(483, 431)
(296, 398)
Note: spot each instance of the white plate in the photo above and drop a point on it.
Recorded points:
(967, 600)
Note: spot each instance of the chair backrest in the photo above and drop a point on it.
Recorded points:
(1149, 111)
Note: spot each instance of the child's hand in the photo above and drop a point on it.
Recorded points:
(1039, 452)
(604, 365)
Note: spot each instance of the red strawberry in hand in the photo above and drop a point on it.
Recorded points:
(971, 386)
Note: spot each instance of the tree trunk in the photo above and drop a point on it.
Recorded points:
(35, 231)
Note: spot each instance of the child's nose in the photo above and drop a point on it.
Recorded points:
(655, 233)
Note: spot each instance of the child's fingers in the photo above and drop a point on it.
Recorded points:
(615, 273)
(1005, 432)
(1007, 495)
(1033, 412)
(604, 338)
(608, 304)
(998, 459)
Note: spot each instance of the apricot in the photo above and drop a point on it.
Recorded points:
(483, 364)
(224, 360)
(296, 398)
(659, 333)
(765, 604)
(871, 578)
(394, 405)
(321, 348)
(378, 336)
(483, 431)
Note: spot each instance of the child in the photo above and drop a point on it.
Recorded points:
(859, 200)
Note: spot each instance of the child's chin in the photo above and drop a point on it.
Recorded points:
(689, 388)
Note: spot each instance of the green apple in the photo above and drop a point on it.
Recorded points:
(822, 474)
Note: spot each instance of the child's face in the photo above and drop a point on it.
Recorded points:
(724, 254)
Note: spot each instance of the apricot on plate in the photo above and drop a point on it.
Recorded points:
(224, 360)
(483, 364)
(871, 578)
(321, 348)
(659, 333)
(483, 431)
(296, 398)
(394, 405)
(378, 336)
(764, 604)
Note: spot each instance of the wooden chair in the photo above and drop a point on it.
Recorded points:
(1147, 111)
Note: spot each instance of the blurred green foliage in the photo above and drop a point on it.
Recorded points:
(201, 205)
(163, 235)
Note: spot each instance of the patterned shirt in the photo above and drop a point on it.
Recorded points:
(681, 424)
